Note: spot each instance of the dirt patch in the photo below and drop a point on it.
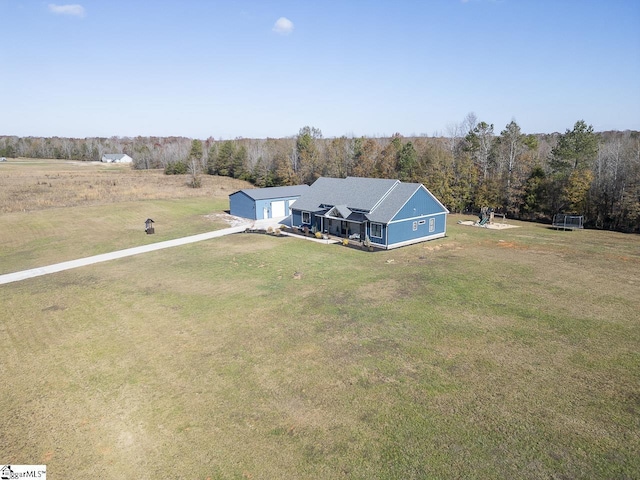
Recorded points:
(232, 220)
(505, 244)
(491, 226)
(442, 246)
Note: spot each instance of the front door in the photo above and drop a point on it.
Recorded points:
(334, 227)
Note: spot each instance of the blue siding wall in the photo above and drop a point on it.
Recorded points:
(296, 218)
(241, 205)
(403, 231)
(421, 203)
(421, 207)
(260, 204)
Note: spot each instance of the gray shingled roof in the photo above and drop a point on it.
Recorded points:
(342, 210)
(393, 203)
(274, 192)
(354, 192)
(380, 199)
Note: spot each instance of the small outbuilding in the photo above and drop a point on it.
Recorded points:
(262, 203)
(148, 226)
(116, 158)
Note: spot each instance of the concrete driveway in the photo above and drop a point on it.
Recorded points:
(59, 267)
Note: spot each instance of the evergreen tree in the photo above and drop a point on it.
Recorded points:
(572, 160)
(534, 193)
(407, 162)
(308, 155)
(239, 162)
(223, 165)
(576, 149)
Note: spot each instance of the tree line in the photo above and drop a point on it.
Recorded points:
(470, 166)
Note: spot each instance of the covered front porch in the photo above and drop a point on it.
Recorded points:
(341, 222)
(343, 229)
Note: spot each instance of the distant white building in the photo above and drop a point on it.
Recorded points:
(116, 158)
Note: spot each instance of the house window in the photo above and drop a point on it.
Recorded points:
(422, 222)
(432, 225)
(376, 230)
(415, 226)
(306, 218)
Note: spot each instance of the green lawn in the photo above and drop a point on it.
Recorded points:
(486, 354)
(42, 237)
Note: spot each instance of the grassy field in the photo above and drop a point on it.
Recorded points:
(28, 185)
(486, 354)
(59, 210)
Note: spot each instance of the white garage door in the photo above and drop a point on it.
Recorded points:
(277, 209)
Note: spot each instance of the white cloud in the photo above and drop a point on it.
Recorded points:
(283, 26)
(73, 10)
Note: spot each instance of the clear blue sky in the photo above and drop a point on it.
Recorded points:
(231, 68)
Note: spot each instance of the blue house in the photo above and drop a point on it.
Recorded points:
(261, 203)
(390, 213)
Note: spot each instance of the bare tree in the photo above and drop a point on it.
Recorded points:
(454, 132)
(480, 141)
(469, 123)
(194, 163)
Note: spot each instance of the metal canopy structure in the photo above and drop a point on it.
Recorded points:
(567, 222)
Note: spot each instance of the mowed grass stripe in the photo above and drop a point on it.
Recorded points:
(487, 354)
(421, 362)
(46, 237)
